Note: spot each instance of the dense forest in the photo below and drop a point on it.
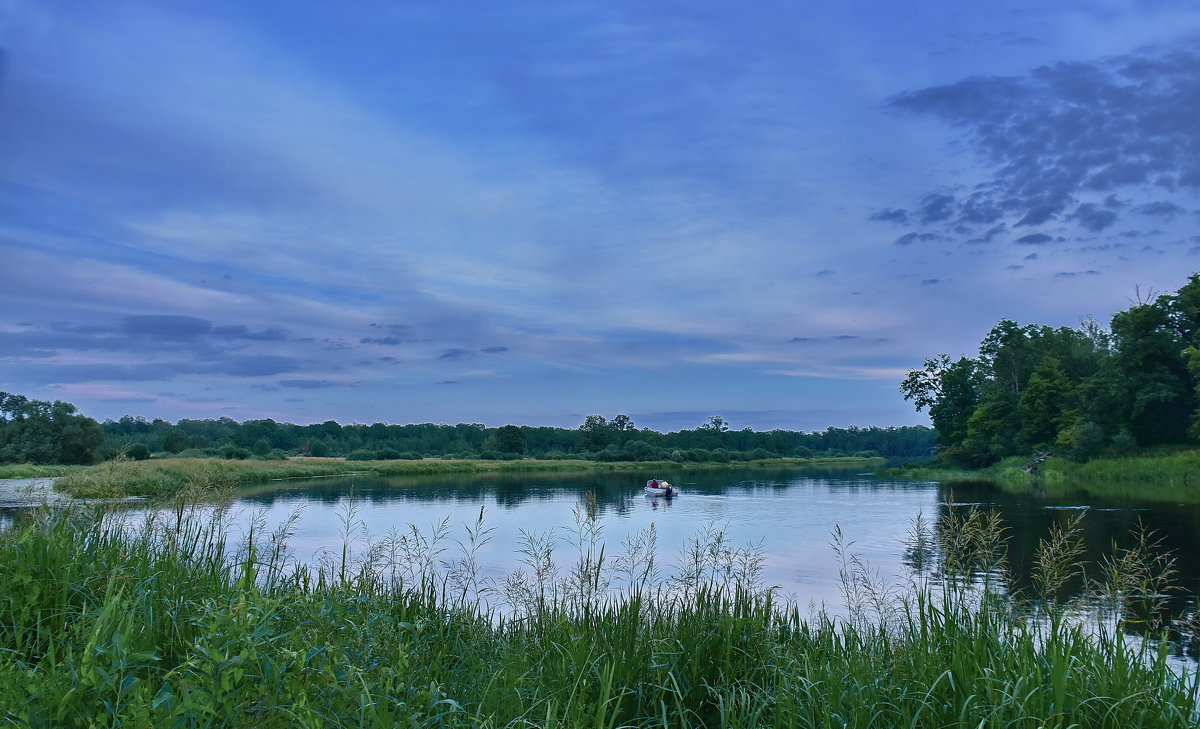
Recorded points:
(33, 431)
(1081, 393)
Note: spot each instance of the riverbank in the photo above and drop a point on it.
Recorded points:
(23, 492)
(180, 625)
(173, 476)
(1166, 477)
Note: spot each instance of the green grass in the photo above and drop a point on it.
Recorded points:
(167, 477)
(177, 624)
(1170, 477)
(29, 470)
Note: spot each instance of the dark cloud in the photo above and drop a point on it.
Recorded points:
(240, 331)
(169, 327)
(936, 207)
(1013, 267)
(1092, 217)
(835, 338)
(260, 365)
(1071, 128)
(1035, 239)
(824, 273)
(1162, 209)
(910, 238)
(931, 282)
(306, 384)
(990, 235)
(454, 354)
(1073, 274)
(979, 209)
(394, 327)
(890, 215)
(447, 382)
(112, 372)
(494, 350)
(385, 341)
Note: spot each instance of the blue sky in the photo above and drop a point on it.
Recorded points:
(527, 212)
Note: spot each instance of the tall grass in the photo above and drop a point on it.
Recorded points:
(1151, 477)
(30, 470)
(172, 476)
(178, 621)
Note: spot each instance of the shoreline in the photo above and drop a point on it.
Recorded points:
(24, 492)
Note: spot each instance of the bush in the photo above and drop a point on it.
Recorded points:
(137, 451)
(387, 454)
(362, 454)
(234, 453)
(409, 456)
(1086, 441)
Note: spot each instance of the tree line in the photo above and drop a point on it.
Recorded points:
(1080, 392)
(34, 431)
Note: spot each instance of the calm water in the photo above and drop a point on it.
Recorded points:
(788, 515)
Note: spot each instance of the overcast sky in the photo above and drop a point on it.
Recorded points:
(526, 212)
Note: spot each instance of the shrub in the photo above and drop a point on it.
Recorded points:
(137, 451)
(361, 454)
(234, 453)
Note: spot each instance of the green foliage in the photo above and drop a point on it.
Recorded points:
(41, 432)
(137, 452)
(175, 624)
(1084, 391)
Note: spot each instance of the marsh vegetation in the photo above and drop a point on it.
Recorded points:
(180, 621)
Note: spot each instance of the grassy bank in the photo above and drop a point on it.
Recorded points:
(29, 470)
(1169, 477)
(178, 625)
(167, 477)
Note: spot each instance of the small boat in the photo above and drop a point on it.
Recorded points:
(659, 487)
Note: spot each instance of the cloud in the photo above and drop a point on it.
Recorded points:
(890, 215)
(1070, 129)
(171, 328)
(990, 235)
(260, 365)
(935, 208)
(910, 238)
(454, 354)
(1161, 209)
(307, 384)
(1093, 218)
(494, 350)
(240, 331)
(1035, 239)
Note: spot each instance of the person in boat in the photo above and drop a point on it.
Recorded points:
(654, 484)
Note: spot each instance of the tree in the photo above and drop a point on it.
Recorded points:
(1046, 405)
(37, 431)
(594, 433)
(510, 439)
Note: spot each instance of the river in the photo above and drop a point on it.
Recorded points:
(786, 518)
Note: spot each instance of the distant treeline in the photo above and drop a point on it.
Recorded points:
(1080, 393)
(33, 431)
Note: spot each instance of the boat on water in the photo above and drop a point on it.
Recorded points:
(659, 487)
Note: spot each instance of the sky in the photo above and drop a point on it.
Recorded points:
(528, 212)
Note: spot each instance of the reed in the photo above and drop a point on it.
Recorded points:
(179, 621)
(168, 477)
(30, 470)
